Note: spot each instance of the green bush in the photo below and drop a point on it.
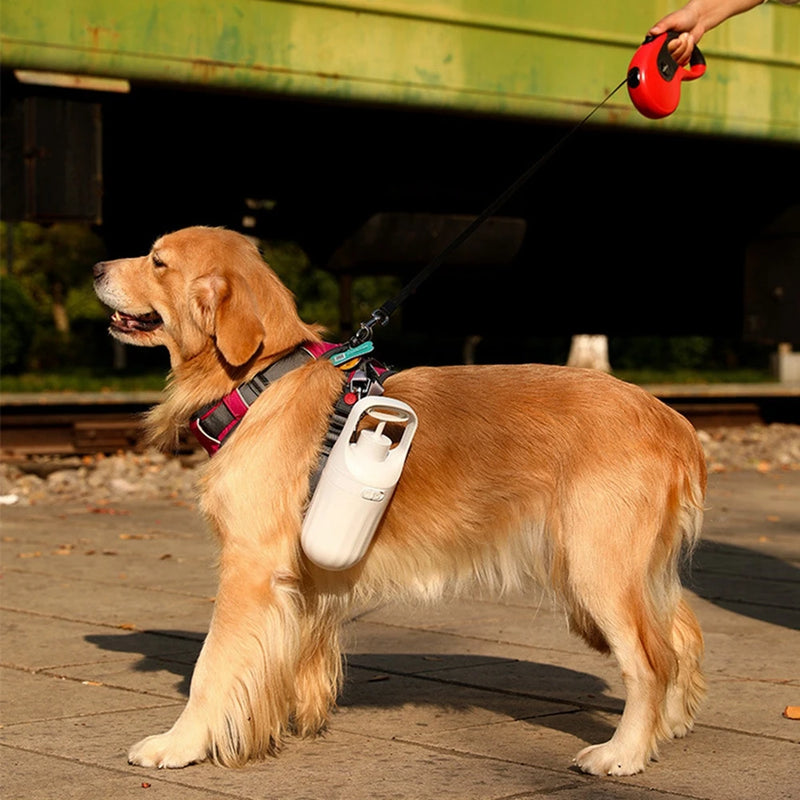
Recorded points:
(18, 320)
(662, 352)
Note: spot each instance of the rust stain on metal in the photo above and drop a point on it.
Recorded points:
(204, 69)
(97, 33)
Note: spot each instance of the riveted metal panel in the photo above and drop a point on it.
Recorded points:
(530, 58)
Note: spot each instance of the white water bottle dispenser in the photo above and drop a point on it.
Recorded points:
(356, 484)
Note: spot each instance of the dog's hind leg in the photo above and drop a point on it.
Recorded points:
(242, 689)
(647, 663)
(686, 693)
(621, 586)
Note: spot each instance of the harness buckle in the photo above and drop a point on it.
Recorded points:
(360, 384)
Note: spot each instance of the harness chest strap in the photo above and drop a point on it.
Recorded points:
(213, 423)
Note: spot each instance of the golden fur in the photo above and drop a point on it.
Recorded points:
(567, 478)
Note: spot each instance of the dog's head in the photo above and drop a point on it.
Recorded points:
(201, 289)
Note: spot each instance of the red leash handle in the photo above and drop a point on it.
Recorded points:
(655, 77)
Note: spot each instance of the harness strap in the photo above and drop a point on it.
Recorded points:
(336, 423)
(366, 380)
(213, 423)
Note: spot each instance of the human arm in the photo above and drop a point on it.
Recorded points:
(695, 19)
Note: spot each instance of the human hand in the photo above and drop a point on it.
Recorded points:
(685, 22)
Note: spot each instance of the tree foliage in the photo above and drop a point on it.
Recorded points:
(53, 264)
(47, 272)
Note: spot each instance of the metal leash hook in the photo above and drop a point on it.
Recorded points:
(364, 332)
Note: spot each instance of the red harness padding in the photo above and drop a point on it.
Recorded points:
(213, 423)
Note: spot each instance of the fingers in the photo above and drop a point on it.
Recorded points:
(681, 48)
(687, 24)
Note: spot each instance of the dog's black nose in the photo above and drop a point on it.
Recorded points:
(99, 269)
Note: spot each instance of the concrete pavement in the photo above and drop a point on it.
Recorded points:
(104, 611)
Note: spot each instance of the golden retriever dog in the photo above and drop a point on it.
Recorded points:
(518, 475)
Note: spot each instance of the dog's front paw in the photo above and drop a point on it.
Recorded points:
(166, 750)
(609, 759)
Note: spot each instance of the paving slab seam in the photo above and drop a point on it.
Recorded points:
(51, 669)
(117, 626)
(130, 772)
(570, 787)
(474, 638)
(567, 787)
(60, 576)
(730, 678)
(83, 681)
(579, 777)
(770, 737)
(583, 706)
(490, 661)
(577, 706)
(88, 715)
(434, 748)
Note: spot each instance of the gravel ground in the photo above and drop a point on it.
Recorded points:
(100, 480)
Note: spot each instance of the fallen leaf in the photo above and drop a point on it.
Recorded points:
(107, 510)
(791, 712)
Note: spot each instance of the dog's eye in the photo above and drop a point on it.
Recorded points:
(157, 261)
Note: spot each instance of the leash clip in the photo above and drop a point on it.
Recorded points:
(364, 332)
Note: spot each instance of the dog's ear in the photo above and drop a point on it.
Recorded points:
(225, 311)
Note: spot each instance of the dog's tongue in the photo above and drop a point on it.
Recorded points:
(128, 322)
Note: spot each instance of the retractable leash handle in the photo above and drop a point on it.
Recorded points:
(655, 77)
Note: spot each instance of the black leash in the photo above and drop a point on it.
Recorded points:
(358, 341)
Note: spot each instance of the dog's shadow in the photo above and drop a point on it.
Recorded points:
(530, 692)
(537, 694)
(160, 650)
(740, 580)
(747, 582)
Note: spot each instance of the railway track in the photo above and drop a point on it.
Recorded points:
(80, 424)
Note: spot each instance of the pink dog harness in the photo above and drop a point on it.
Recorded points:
(213, 423)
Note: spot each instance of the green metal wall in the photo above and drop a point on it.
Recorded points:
(533, 58)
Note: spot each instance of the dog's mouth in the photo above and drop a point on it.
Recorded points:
(130, 323)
